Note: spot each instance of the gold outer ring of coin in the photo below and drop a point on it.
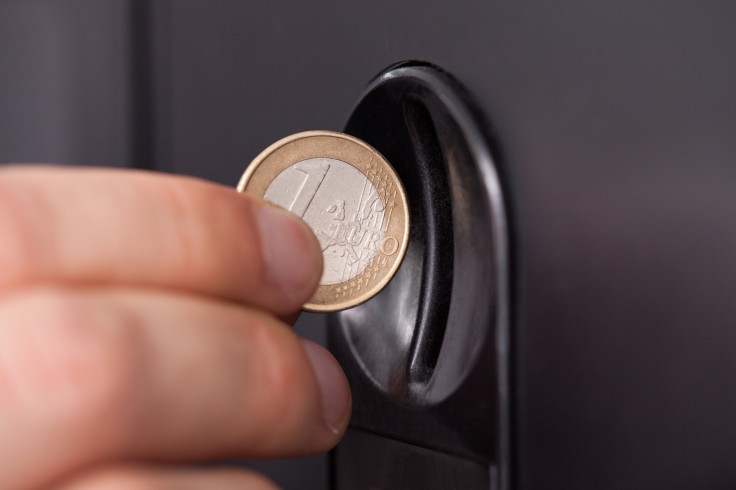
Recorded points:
(328, 144)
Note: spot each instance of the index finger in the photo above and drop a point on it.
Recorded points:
(132, 228)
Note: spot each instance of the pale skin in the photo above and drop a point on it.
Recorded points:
(144, 328)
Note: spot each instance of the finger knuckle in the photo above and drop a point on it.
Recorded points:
(96, 360)
(199, 243)
(284, 376)
(183, 206)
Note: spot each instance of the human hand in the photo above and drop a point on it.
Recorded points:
(140, 331)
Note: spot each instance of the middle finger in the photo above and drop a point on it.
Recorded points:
(88, 377)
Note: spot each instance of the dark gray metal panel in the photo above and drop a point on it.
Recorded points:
(65, 82)
(362, 459)
(427, 357)
(621, 151)
(616, 124)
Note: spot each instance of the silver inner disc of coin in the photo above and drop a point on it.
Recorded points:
(343, 208)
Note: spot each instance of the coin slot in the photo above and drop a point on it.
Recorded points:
(418, 299)
(427, 358)
(431, 207)
(419, 338)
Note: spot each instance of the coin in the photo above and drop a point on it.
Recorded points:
(352, 199)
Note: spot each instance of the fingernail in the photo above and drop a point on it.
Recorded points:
(333, 385)
(292, 255)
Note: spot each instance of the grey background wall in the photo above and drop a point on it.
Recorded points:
(65, 82)
(615, 122)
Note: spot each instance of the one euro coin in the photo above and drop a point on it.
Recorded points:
(353, 200)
